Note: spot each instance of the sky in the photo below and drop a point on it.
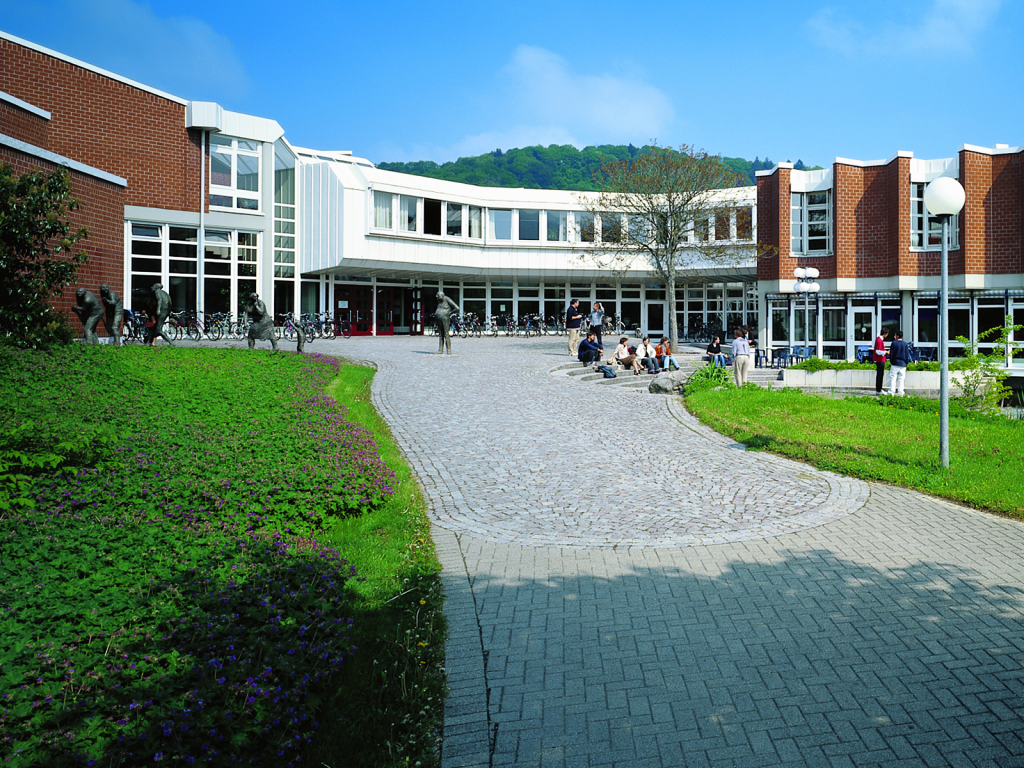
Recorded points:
(807, 80)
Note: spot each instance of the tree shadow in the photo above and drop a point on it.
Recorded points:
(809, 659)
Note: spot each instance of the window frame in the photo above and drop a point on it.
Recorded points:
(805, 208)
(921, 219)
(233, 152)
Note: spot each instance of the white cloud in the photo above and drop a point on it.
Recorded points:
(181, 55)
(946, 27)
(537, 99)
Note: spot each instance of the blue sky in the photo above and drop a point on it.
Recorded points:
(413, 81)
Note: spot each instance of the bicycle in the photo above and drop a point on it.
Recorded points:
(554, 325)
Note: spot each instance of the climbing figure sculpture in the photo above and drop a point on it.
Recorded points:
(114, 311)
(90, 311)
(262, 325)
(442, 315)
(161, 309)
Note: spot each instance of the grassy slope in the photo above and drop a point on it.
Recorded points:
(392, 705)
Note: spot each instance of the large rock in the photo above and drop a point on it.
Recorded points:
(667, 383)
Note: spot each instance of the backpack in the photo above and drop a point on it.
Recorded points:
(607, 372)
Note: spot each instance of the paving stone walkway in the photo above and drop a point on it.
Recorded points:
(627, 588)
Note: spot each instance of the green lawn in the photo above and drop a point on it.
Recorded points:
(879, 439)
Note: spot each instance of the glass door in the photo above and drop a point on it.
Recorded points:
(656, 317)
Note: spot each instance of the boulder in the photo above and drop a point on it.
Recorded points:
(667, 383)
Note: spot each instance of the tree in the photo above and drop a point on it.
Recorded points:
(666, 212)
(38, 256)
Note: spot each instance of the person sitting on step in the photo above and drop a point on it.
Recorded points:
(625, 358)
(589, 350)
(647, 355)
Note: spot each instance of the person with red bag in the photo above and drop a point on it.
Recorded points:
(878, 356)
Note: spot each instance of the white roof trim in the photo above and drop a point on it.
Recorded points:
(91, 68)
(24, 105)
(53, 157)
(872, 163)
(991, 150)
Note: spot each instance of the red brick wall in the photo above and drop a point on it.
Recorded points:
(871, 210)
(110, 125)
(772, 222)
(992, 224)
(23, 125)
(102, 213)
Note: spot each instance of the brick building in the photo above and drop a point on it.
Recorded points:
(216, 204)
(865, 227)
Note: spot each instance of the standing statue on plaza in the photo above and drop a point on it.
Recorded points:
(262, 324)
(114, 311)
(161, 309)
(442, 315)
(90, 311)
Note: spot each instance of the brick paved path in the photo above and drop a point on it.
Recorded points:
(626, 588)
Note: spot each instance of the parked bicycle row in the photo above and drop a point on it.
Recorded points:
(138, 326)
(470, 324)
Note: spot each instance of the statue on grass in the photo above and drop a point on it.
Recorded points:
(90, 312)
(161, 310)
(442, 315)
(114, 311)
(261, 326)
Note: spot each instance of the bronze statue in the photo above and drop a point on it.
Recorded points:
(261, 324)
(115, 311)
(444, 326)
(161, 309)
(90, 311)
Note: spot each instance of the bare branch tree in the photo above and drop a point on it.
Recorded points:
(668, 213)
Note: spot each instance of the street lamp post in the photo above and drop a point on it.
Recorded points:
(944, 198)
(803, 274)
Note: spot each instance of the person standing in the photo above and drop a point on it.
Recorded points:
(878, 357)
(899, 359)
(597, 320)
(740, 357)
(573, 321)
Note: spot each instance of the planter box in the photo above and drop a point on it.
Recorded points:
(917, 381)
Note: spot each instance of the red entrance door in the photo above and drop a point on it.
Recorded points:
(355, 304)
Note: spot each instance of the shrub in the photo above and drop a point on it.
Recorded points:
(709, 377)
(38, 256)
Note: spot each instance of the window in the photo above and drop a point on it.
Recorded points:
(383, 203)
(284, 226)
(529, 225)
(407, 213)
(454, 219)
(584, 227)
(811, 222)
(476, 228)
(745, 223)
(234, 173)
(926, 230)
(431, 217)
(723, 226)
(558, 226)
(611, 228)
(247, 254)
(499, 224)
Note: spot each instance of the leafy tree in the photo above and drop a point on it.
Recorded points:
(38, 256)
(660, 211)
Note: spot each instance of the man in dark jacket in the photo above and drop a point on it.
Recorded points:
(899, 359)
(590, 350)
(573, 321)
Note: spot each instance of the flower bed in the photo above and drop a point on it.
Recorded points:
(162, 596)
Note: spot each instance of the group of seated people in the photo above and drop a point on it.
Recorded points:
(653, 357)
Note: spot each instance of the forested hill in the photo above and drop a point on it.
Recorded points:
(553, 167)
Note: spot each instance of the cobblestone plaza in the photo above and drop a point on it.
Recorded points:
(626, 588)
